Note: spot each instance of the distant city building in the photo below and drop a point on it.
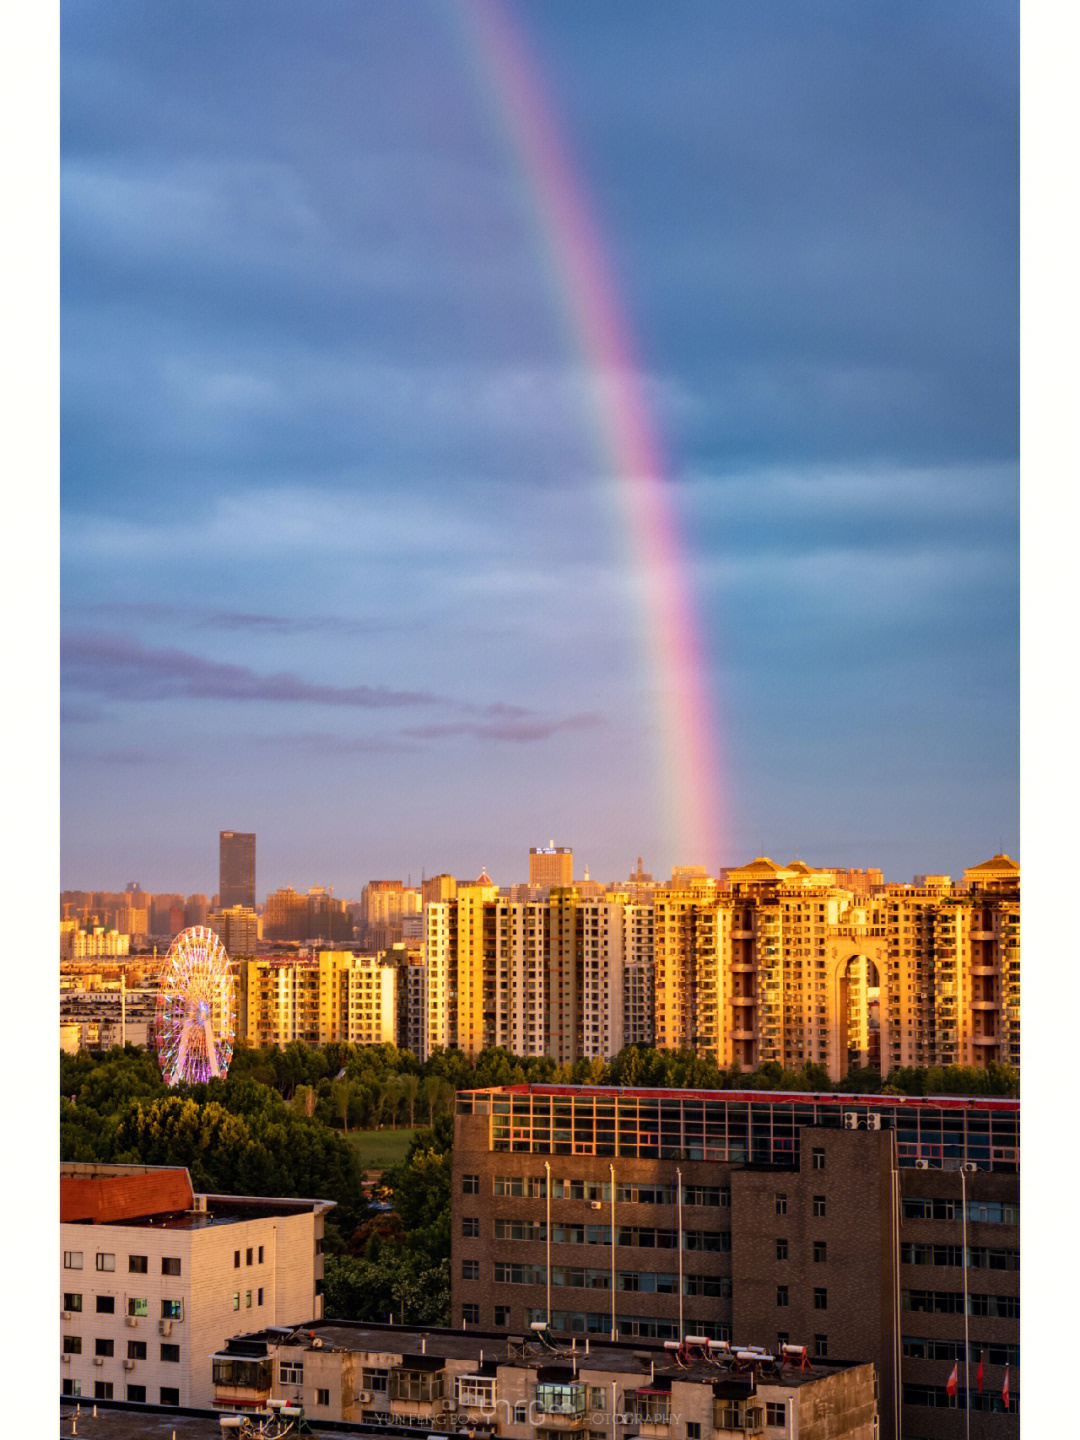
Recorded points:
(438, 887)
(196, 909)
(237, 928)
(236, 870)
(551, 865)
(155, 1278)
(79, 944)
(332, 996)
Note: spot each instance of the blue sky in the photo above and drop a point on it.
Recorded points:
(342, 562)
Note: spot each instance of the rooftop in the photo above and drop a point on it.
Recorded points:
(145, 1195)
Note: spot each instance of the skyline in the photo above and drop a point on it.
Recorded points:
(343, 561)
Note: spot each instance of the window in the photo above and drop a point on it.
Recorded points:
(781, 1295)
(135, 1306)
(106, 1305)
(170, 1354)
(693, 1430)
(249, 1256)
(819, 1207)
(470, 1269)
(781, 1203)
(470, 1184)
(819, 1251)
(247, 1299)
(817, 1158)
(470, 1226)
(781, 1249)
(782, 1338)
(136, 1350)
(170, 1265)
(71, 1387)
(821, 1298)
(172, 1309)
(72, 1344)
(259, 1301)
(169, 1395)
(322, 1397)
(137, 1264)
(236, 1300)
(470, 1314)
(502, 1316)
(72, 1259)
(103, 1347)
(260, 1254)
(137, 1393)
(521, 1413)
(103, 1390)
(775, 1412)
(236, 1259)
(106, 1262)
(72, 1302)
(821, 1346)
(291, 1372)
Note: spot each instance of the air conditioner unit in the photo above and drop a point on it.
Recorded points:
(65, 1314)
(922, 1164)
(873, 1122)
(364, 1397)
(851, 1120)
(98, 1360)
(65, 1359)
(449, 1406)
(131, 1321)
(129, 1364)
(596, 1204)
(164, 1327)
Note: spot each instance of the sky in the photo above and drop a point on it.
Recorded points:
(345, 558)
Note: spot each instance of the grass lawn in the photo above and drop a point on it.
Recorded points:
(379, 1148)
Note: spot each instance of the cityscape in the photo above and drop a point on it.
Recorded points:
(487, 421)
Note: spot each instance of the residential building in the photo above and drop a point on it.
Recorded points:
(831, 1221)
(551, 865)
(155, 1278)
(237, 928)
(236, 870)
(334, 995)
(79, 944)
(536, 1387)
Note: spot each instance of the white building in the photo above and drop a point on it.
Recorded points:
(155, 1278)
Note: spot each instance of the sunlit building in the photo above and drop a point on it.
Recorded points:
(236, 870)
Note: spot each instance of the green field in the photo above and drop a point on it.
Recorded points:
(379, 1148)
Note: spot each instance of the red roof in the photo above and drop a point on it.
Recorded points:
(105, 1199)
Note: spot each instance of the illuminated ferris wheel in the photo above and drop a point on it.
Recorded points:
(195, 1021)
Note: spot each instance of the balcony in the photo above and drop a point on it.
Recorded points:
(746, 1418)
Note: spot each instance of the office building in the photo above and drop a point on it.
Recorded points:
(236, 870)
(843, 1223)
(155, 1278)
(551, 865)
(532, 1387)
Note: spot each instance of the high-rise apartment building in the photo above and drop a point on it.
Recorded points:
(236, 870)
(237, 929)
(551, 865)
(834, 1222)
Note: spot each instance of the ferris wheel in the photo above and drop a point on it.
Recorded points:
(195, 1021)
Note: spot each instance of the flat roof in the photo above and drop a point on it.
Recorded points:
(767, 1097)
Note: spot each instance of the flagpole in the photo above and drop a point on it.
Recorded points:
(967, 1347)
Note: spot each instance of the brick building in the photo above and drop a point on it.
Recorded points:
(833, 1221)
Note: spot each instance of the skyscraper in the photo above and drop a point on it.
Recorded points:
(551, 865)
(236, 870)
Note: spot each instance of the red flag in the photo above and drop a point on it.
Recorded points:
(978, 1374)
(950, 1383)
(1005, 1389)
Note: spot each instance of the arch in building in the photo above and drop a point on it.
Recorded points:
(856, 966)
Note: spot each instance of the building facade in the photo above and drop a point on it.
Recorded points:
(551, 865)
(236, 870)
(154, 1278)
(843, 1223)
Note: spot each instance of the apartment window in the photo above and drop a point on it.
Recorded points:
(106, 1262)
(470, 1226)
(137, 1306)
(172, 1309)
(136, 1393)
(72, 1344)
(136, 1350)
(137, 1265)
(249, 1256)
(170, 1265)
(821, 1346)
(781, 1203)
(169, 1395)
(521, 1413)
(106, 1305)
(819, 1251)
(260, 1254)
(819, 1207)
(71, 1387)
(103, 1390)
(322, 1397)
(72, 1302)
(821, 1298)
(259, 1301)
(247, 1299)
(72, 1259)
(470, 1184)
(781, 1249)
(103, 1347)
(817, 1158)
(470, 1269)
(292, 1372)
(693, 1430)
(781, 1294)
(236, 1300)
(782, 1338)
(170, 1354)
(236, 1259)
(470, 1314)
(775, 1412)
(502, 1316)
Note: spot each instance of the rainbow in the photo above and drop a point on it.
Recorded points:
(628, 434)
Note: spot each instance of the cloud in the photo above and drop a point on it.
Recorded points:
(521, 731)
(121, 668)
(315, 743)
(199, 617)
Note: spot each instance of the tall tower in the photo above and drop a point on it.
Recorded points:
(551, 865)
(236, 870)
